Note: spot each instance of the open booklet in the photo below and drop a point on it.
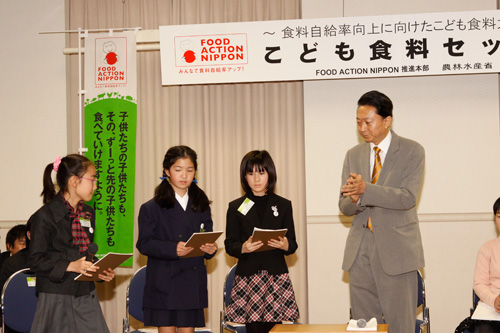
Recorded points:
(198, 239)
(265, 235)
(485, 312)
(110, 260)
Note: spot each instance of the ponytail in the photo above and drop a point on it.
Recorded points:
(71, 165)
(164, 193)
(165, 196)
(49, 190)
(199, 200)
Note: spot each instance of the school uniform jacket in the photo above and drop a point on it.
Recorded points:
(172, 282)
(51, 249)
(239, 227)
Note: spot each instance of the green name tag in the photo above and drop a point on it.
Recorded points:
(245, 206)
(31, 281)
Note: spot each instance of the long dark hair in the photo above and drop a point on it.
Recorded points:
(71, 165)
(165, 194)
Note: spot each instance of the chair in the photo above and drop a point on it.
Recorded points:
(475, 300)
(19, 301)
(135, 293)
(228, 286)
(425, 321)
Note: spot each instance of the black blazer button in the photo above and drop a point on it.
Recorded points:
(180, 236)
(194, 268)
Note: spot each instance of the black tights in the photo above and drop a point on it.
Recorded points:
(258, 327)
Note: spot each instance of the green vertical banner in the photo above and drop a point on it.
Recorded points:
(110, 123)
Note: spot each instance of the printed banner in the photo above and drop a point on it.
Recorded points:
(332, 48)
(110, 133)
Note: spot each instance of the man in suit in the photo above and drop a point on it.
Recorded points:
(384, 248)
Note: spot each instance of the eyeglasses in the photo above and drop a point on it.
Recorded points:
(92, 180)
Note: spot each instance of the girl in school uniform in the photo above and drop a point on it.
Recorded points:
(61, 231)
(175, 292)
(262, 293)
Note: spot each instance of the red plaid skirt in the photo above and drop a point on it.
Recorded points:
(262, 298)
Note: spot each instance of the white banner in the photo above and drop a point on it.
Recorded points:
(331, 48)
(110, 65)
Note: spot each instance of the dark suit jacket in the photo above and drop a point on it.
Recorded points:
(239, 227)
(172, 282)
(4, 256)
(51, 249)
(13, 264)
(391, 204)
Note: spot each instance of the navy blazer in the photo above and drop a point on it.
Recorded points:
(239, 227)
(172, 282)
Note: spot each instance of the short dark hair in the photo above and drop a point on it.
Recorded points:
(379, 101)
(496, 206)
(16, 232)
(261, 160)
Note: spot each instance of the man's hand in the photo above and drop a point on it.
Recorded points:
(354, 187)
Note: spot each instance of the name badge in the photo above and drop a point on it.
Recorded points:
(245, 206)
(31, 281)
(85, 223)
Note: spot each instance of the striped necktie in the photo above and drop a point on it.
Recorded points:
(377, 167)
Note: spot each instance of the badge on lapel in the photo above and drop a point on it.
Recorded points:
(275, 210)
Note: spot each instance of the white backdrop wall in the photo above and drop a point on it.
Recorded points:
(456, 119)
(33, 97)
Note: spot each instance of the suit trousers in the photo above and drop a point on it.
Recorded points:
(375, 294)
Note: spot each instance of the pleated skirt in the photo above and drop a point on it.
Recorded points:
(66, 313)
(262, 298)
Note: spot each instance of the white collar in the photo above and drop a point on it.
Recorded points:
(384, 145)
(183, 201)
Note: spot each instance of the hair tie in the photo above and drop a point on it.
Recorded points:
(195, 181)
(163, 177)
(56, 163)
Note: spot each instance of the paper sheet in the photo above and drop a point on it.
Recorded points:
(485, 312)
